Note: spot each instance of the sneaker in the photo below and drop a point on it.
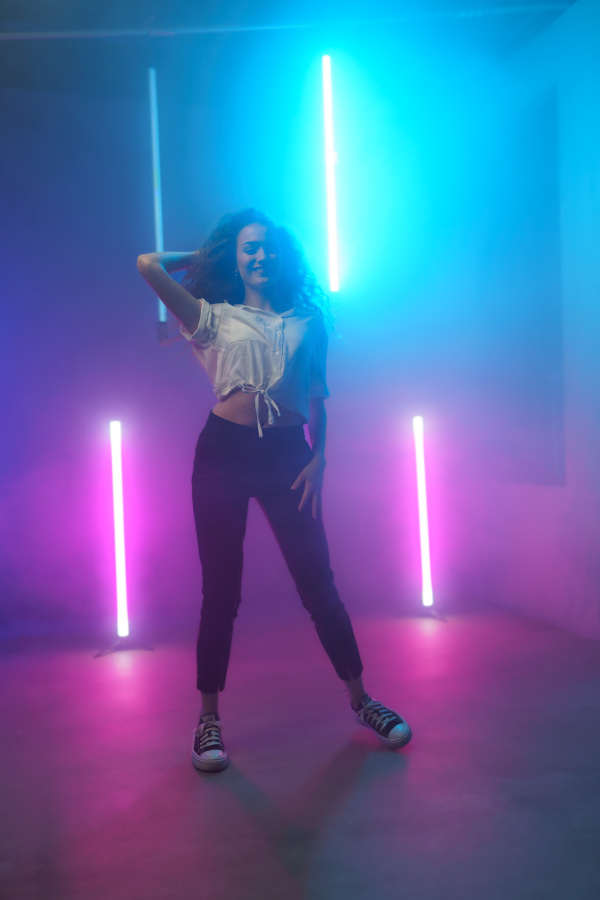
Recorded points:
(390, 728)
(208, 753)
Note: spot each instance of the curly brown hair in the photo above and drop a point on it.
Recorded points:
(211, 277)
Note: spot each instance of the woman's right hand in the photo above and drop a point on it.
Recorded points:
(155, 268)
(170, 261)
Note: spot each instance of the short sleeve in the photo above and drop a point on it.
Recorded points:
(318, 365)
(206, 332)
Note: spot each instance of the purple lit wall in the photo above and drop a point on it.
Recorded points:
(424, 224)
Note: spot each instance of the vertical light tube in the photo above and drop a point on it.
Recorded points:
(330, 161)
(423, 521)
(158, 221)
(117, 480)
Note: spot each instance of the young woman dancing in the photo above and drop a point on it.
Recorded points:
(256, 320)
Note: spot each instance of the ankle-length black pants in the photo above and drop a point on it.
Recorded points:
(232, 464)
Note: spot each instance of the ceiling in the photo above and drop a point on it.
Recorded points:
(38, 39)
(507, 24)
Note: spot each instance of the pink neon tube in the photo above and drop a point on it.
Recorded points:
(423, 520)
(117, 480)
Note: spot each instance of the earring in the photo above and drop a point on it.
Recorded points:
(236, 274)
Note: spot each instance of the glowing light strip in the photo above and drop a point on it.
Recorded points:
(117, 479)
(423, 522)
(158, 221)
(330, 161)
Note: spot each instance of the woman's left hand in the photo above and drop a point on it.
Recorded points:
(312, 478)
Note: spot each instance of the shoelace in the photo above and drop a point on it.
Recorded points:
(210, 736)
(271, 405)
(378, 715)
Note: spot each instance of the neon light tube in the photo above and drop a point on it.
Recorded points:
(158, 220)
(423, 522)
(330, 161)
(117, 480)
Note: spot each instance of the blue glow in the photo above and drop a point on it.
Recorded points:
(330, 161)
(423, 521)
(157, 189)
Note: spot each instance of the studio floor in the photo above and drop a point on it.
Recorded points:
(497, 796)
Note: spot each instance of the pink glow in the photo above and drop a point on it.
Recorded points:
(423, 523)
(117, 479)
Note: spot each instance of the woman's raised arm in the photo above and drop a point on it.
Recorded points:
(155, 268)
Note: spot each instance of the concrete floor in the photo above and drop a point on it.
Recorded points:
(497, 796)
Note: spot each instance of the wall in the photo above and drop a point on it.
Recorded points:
(415, 178)
(536, 547)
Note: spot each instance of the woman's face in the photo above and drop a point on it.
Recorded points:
(257, 256)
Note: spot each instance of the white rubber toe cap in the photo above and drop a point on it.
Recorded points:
(399, 736)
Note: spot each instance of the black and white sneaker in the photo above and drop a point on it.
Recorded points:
(208, 752)
(390, 728)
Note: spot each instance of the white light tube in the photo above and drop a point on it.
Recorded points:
(158, 221)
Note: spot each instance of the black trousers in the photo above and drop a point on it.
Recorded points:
(232, 464)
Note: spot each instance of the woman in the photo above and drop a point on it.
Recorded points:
(256, 320)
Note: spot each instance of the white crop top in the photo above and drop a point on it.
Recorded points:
(280, 357)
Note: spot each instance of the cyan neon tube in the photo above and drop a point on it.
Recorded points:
(330, 161)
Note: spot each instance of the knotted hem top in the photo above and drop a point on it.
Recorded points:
(270, 403)
(281, 357)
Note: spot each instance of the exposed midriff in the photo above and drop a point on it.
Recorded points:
(239, 407)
